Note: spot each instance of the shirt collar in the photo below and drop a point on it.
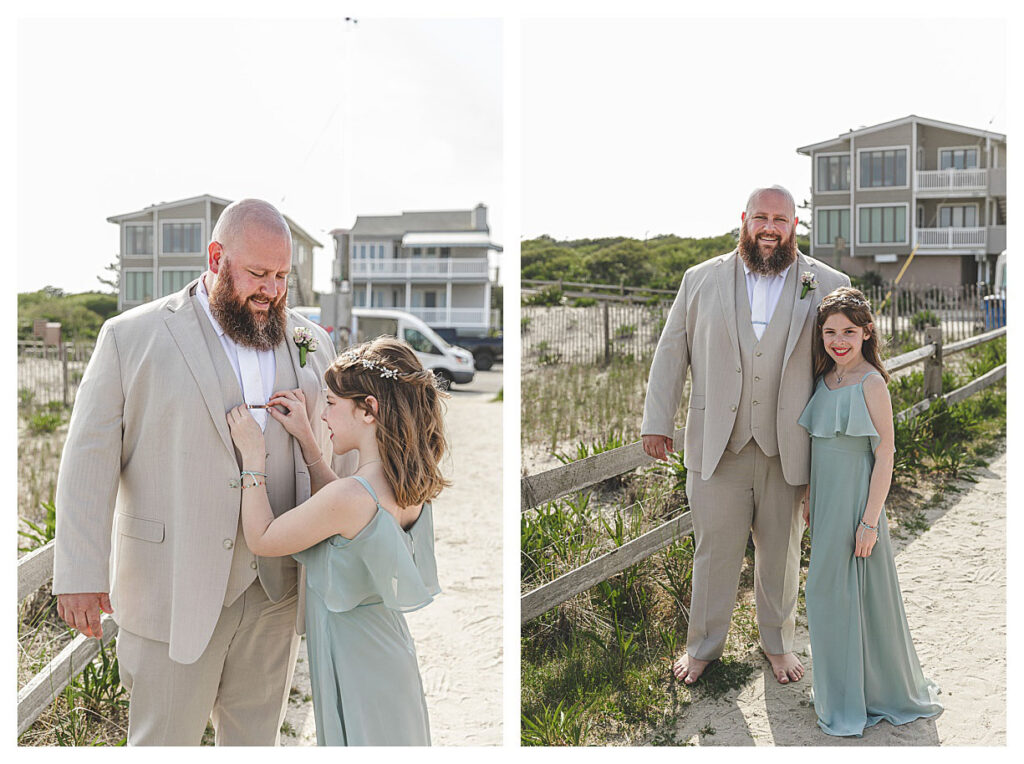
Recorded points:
(204, 300)
(781, 275)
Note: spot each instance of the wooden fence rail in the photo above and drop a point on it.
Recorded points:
(536, 490)
(35, 569)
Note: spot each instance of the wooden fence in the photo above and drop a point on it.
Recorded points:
(630, 323)
(35, 570)
(48, 373)
(536, 490)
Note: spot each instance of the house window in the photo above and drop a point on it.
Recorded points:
(138, 286)
(359, 298)
(882, 225)
(182, 238)
(834, 173)
(958, 159)
(958, 216)
(138, 239)
(879, 169)
(446, 251)
(831, 223)
(173, 281)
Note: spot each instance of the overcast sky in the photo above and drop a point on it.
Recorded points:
(116, 115)
(647, 127)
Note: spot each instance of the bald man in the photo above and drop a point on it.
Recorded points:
(742, 323)
(148, 493)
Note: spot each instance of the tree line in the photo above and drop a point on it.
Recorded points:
(80, 315)
(655, 263)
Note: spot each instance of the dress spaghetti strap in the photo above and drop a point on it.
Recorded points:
(873, 371)
(365, 483)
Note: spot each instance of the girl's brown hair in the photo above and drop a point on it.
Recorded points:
(410, 417)
(852, 304)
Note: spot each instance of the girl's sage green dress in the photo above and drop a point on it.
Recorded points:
(362, 660)
(865, 666)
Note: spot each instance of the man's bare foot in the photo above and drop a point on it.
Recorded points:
(688, 669)
(786, 667)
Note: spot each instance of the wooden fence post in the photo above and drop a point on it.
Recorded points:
(933, 363)
(607, 336)
(64, 365)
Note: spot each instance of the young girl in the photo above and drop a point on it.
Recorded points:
(367, 541)
(865, 666)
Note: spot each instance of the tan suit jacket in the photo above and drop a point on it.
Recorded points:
(700, 334)
(147, 503)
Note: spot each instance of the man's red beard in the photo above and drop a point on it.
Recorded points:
(783, 255)
(240, 322)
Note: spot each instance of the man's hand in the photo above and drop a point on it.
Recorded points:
(658, 446)
(82, 611)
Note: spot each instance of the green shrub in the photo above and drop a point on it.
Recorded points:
(44, 422)
(924, 318)
(549, 295)
(584, 302)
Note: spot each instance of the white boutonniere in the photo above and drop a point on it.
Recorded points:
(808, 282)
(303, 337)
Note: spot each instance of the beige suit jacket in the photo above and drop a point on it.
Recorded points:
(146, 505)
(700, 334)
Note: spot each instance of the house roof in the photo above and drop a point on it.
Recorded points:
(449, 239)
(408, 222)
(910, 118)
(295, 227)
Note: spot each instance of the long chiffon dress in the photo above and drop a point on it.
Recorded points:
(362, 661)
(865, 666)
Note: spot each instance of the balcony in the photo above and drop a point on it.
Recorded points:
(421, 269)
(458, 318)
(951, 182)
(949, 239)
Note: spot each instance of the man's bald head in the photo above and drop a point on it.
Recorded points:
(246, 214)
(782, 192)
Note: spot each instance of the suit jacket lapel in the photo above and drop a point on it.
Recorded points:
(183, 324)
(725, 278)
(801, 306)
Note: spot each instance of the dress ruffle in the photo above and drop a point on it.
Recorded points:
(382, 564)
(838, 412)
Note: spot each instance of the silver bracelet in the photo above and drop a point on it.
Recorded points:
(315, 461)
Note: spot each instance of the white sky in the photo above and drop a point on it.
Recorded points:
(646, 127)
(115, 115)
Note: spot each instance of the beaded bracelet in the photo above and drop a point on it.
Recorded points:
(869, 527)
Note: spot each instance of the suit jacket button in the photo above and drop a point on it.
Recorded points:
(758, 354)
(739, 370)
(228, 543)
(733, 408)
(253, 564)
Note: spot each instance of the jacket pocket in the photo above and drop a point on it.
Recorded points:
(696, 402)
(140, 528)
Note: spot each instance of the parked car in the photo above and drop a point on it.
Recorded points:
(485, 350)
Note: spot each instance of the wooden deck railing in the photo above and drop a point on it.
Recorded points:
(536, 490)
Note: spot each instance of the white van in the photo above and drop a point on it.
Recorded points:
(450, 363)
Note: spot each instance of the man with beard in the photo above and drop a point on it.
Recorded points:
(205, 628)
(742, 323)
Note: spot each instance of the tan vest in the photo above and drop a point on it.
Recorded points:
(277, 574)
(761, 362)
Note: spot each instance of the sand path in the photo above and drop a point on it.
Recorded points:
(458, 636)
(953, 578)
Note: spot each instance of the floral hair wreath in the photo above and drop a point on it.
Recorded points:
(843, 299)
(386, 372)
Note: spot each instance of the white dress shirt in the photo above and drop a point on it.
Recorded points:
(774, 291)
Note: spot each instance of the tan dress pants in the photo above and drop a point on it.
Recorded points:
(241, 681)
(746, 492)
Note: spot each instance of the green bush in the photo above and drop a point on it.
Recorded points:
(584, 302)
(44, 422)
(924, 318)
(549, 296)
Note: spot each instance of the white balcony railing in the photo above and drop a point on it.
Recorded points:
(457, 317)
(415, 267)
(952, 180)
(951, 238)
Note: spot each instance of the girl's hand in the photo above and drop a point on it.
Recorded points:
(296, 419)
(246, 434)
(865, 541)
(806, 506)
